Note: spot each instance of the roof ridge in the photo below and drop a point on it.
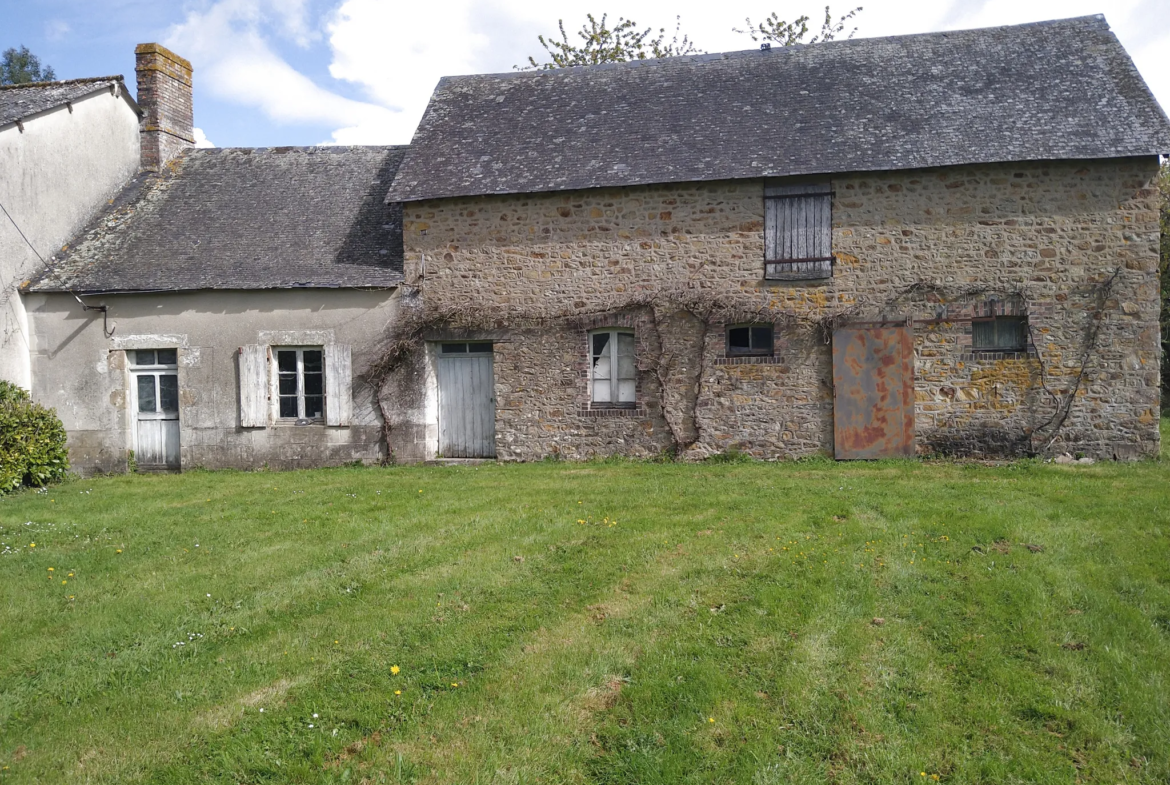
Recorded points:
(1052, 90)
(64, 82)
(735, 53)
(283, 148)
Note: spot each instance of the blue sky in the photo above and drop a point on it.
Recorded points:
(293, 72)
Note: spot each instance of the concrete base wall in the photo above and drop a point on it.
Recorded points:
(82, 372)
(933, 246)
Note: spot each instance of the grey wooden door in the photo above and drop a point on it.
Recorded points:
(467, 401)
(157, 419)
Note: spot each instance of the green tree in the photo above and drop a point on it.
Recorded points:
(775, 30)
(601, 43)
(626, 40)
(20, 66)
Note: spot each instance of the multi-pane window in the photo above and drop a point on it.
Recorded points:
(798, 231)
(300, 383)
(1000, 334)
(613, 370)
(156, 380)
(473, 347)
(749, 340)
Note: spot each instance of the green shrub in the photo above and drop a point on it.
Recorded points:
(32, 441)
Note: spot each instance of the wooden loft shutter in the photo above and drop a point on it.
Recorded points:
(338, 385)
(798, 231)
(254, 386)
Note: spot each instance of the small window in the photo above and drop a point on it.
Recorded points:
(999, 334)
(798, 232)
(475, 347)
(749, 340)
(614, 373)
(300, 383)
(152, 358)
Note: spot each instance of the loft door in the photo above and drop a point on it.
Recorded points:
(467, 401)
(155, 388)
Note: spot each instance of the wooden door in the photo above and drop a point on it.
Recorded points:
(873, 391)
(156, 394)
(467, 401)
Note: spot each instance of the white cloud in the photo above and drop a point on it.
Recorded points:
(228, 45)
(395, 53)
(399, 52)
(57, 29)
(201, 139)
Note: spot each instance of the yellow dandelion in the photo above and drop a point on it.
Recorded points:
(32, 545)
(64, 582)
(119, 550)
(394, 669)
(50, 569)
(397, 692)
(454, 684)
(710, 719)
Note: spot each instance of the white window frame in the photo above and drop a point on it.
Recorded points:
(154, 371)
(605, 392)
(300, 393)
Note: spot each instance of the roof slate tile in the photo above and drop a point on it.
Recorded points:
(1051, 90)
(18, 102)
(243, 218)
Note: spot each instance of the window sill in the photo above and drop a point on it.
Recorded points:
(291, 423)
(636, 411)
(987, 355)
(749, 359)
(803, 270)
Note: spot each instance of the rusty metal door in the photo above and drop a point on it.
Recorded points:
(873, 390)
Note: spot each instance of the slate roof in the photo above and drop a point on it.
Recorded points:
(1052, 90)
(243, 218)
(18, 102)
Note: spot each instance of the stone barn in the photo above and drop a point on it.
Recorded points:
(942, 243)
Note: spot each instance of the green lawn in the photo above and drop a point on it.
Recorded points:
(603, 622)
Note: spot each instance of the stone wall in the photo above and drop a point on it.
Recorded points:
(935, 246)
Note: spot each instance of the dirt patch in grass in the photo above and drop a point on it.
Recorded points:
(266, 697)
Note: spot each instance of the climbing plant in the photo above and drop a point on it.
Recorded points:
(680, 366)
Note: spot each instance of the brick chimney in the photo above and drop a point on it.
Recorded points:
(164, 94)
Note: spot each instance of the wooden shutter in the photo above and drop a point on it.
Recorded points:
(798, 231)
(254, 386)
(338, 385)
